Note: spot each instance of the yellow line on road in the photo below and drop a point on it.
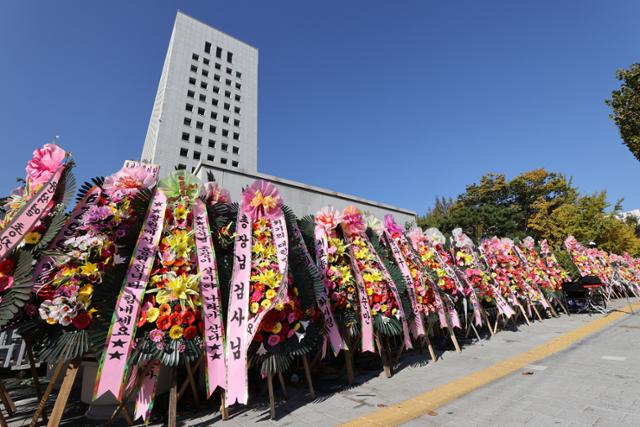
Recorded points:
(419, 405)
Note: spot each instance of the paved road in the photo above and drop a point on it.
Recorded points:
(595, 383)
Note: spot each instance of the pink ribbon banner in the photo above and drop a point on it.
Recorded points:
(417, 325)
(147, 391)
(241, 329)
(210, 291)
(322, 298)
(113, 363)
(29, 215)
(366, 322)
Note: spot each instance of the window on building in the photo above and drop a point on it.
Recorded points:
(188, 107)
(205, 61)
(218, 52)
(237, 97)
(235, 150)
(234, 163)
(195, 57)
(201, 111)
(191, 93)
(227, 106)
(193, 168)
(229, 57)
(212, 129)
(212, 143)
(216, 89)
(236, 136)
(199, 125)
(207, 47)
(236, 122)
(203, 85)
(227, 82)
(210, 157)
(214, 115)
(225, 119)
(238, 74)
(225, 147)
(185, 136)
(223, 160)
(225, 132)
(216, 77)
(238, 86)
(205, 73)
(192, 80)
(198, 140)
(227, 94)
(236, 110)
(218, 66)
(203, 97)
(187, 121)
(181, 166)
(214, 102)
(194, 68)
(196, 155)
(184, 152)
(229, 70)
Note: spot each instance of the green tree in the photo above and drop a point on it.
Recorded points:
(625, 103)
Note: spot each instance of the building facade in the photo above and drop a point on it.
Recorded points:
(206, 106)
(205, 120)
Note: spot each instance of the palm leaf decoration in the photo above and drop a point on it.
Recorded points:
(17, 296)
(57, 222)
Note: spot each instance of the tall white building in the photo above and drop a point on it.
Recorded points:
(206, 106)
(205, 120)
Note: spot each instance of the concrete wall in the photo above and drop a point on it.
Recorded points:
(302, 198)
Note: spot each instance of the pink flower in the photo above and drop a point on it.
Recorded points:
(461, 239)
(6, 282)
(256, 296)
(156, 335)
(273, 340)
(128, 181)
(352, 223)
(44, 163)
(391, 226)
(214, 194)
(326, 220)
(416, 237)
(529, 243)
(571, 243)
(261, 199)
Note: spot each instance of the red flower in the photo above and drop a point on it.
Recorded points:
(45, 293)
(165, 309)
(176, 318)
(6, 266)
(163, 322)
(188, 317)
(200, 327)
(82, 320)
(142, 320)
(190, 333)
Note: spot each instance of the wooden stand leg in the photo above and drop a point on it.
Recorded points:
(348, 363)
(47, 392)
(537, 312)
(34, 372)
(187, 382)
(3, 421)
(224, 411)
(7, 401)
(307, 373)
(486, 320)
(282, 386)
(63, 394)
(454, 340)
(272, 400)
(524, 314)
(194, 389)
(432, 353)
(383, 355)
(173, 399)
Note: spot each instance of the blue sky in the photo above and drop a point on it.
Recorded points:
(392, 101)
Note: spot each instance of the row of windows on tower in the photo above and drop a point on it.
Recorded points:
(207, 49)
(212, 129)
(216, 89)
(216, 77)
(216, 65)
(211, 143)
(184, 152)
(214, 101)
(214, 115)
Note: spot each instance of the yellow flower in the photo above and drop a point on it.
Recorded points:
(89, 268)
(181, 213)
(279, 307)
(270, 293)
(91, 311)
(266, 202)
(176, 332)
(254, 307)
(362, 253)
(369, 291)
(265, 303)
(372, 276)
(162, 297)
(86, 290)
(296, 326)
(277, 328)
(152, 314)
(345, 272)
(257, 248)
(32, 238)
(383, 307)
